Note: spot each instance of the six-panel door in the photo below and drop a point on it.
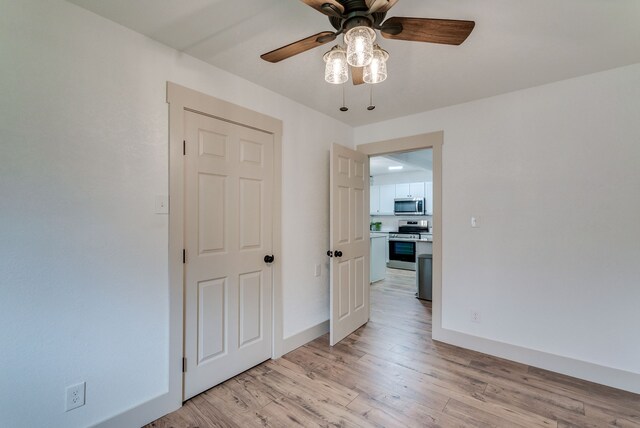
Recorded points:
(228, 231)
(349, 240)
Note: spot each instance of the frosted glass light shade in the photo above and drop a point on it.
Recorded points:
(376, 72)
(336, 70)
(359, 46)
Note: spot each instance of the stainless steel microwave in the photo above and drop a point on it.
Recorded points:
(408, 206)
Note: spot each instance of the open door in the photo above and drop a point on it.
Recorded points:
(349, 241)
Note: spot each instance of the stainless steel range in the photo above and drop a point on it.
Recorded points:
(402, 245)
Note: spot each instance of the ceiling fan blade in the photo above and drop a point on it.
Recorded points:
(295, 48)
(445, 31)
(380, 5)
(317, 5)
(327, 38)
(357, 75)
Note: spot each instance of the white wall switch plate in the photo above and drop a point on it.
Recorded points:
(75, 396)
(162, 204)
(318, 270)
(475, 221)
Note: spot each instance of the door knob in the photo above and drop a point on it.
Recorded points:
(330, 253)
(269, 259)
(338, 253)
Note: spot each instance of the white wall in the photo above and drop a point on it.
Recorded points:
(553, 172)
(83, 257)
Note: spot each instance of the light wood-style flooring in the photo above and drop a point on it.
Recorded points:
(390, 373)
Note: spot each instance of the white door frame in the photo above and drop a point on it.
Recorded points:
(181, 99)
(433, 140)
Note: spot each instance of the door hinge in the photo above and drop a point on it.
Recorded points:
(184, 256)
(184, 364)
(184, 147)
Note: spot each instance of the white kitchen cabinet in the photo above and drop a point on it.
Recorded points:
(423, 247)
(403, 190)
(387, 195)
(382, 196)
(416, 190)
(377, 261)
(410, 190)
(374, 200)
(428, 194)
(386, 249)
(381, 199)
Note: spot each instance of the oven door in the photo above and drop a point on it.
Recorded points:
(402, 254)
(402, 251)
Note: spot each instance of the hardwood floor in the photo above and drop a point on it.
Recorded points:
(389, 373)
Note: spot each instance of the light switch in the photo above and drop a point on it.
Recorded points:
(475, 221)
(318, 270)
(162, 204)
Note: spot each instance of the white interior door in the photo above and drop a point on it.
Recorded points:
(228, 232)
(349, 240)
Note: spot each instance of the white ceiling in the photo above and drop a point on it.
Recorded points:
(417, 160)
(515, 45)
(379, 165)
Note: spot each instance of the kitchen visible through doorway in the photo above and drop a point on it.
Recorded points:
(401, 220)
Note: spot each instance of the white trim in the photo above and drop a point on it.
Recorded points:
(305, 336)
(615, 378)
(142, 414)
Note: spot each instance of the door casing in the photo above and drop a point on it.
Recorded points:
(432, 140)
(183, 99)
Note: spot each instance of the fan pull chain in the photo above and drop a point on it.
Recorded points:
(371, 106)
(344, 107)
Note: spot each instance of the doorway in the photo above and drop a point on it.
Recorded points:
(432, 141)
(401, 212)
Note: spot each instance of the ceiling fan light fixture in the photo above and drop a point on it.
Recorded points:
(359, 42)
(376, 71)
(336, 70)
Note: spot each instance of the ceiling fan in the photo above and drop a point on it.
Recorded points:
(357, 20)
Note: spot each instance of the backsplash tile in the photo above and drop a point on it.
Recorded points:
(390, 222)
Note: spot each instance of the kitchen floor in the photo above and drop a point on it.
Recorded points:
(395, 281)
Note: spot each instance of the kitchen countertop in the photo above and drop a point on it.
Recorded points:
(383, 233)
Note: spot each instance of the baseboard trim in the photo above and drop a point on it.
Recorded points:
(144, 413)
(305, 336)
(592, 372)
(159, 406)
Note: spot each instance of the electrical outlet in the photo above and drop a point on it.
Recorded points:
(318, 270)
(475, 221)
(75, 395)
(475, 317)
